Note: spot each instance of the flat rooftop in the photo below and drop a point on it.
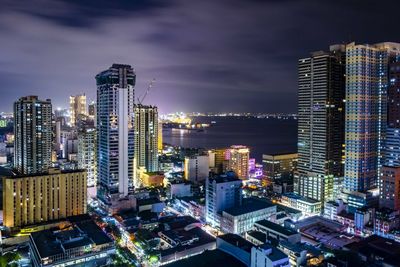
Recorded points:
(387, 249)
(237, 241)
(53, 242)
(260, 236)
(203, 238)
(249, 205)
(208, 258)
(276, 227)
(276, 254)
(224, 178)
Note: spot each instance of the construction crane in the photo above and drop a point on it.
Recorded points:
(140, 101)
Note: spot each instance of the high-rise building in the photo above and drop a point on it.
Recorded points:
(392, 147)
(160, 137)
(196, 168)
(38, 198)
(279, 167)
(146, 138)
(33, 135)
(222, 192)
(218, 160)
(367, 76)
(115, 132)
(238, 161)
(320, 123)
(389, 188)
(77, 107)
(87, 149)
(92, 111)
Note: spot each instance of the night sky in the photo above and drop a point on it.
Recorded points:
(206, 55)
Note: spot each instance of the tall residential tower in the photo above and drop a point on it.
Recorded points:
(115, 131)
(33, 135)
(146, 137)
(366, 112)
(77, 107)
(320, 123)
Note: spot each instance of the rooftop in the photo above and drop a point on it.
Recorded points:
(52, 171)
(203, 238)
(224, 178)
(208, 258)
(388, 250)
(249, 205)
(274, 253)
(50, 242)
(260, 236)
(148, 201)
(276, 227)
(237, 241)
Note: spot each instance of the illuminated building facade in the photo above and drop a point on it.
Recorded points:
(222, 192)
(389, 188)
(33, 135)
(146, 138)
(218, 160)
(115, 132)
(238, 161)
(366, 112)
(77, 106)
(196, 168)
(38, 198)
(392, 148)
(320, 123)
(87, 149)
(160, 137)
(279, 166)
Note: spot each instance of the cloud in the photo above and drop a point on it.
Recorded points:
(227, 55)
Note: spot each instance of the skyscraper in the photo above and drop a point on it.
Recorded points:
(146, 137)
(115, 131)
(392, 148)
(33, 135)
(87, 149)
(77, 107)
(238, 161)
(366, 112)
(320, 122)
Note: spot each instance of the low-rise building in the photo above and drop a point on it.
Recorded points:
(152, 179)
(277, 232)
(385, 221)
(183, 243)
(179, 189)
(307, 206)
(236, 246)
(268, 256)
(300, 254)
(82, 243)
(238, 220)
(333, 208)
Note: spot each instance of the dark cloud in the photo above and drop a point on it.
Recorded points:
(226, 55)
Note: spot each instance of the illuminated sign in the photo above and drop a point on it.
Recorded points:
(3, 123)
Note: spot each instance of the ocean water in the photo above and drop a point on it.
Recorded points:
(263, 136)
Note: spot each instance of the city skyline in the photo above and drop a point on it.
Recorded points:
(191, 49)
(233, 132)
